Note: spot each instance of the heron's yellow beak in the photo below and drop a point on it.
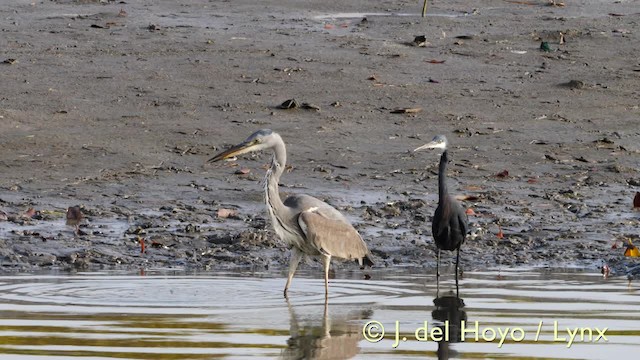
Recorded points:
(234, 151)
(430, 145)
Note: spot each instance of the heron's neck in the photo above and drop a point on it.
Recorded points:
(272, 193)
(442, 180)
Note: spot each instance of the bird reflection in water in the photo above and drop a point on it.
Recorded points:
(327, 338)
(449, 308)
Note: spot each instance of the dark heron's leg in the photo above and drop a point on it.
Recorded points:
(438, 266)
(424, 9)
(457, 261)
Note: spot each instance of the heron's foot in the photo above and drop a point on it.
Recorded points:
(286, 295)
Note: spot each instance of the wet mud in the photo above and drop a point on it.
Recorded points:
(115, 107)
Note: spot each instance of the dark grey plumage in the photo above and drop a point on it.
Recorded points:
(450, 224)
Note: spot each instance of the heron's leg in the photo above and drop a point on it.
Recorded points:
(438, 266)
(326, 261)
(326, 320)
(296, 256)
(424, 9)
(457, 261)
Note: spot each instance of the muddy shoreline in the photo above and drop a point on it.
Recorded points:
(115, 107)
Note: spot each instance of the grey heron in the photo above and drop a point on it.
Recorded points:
(308, 225)
(449, 226)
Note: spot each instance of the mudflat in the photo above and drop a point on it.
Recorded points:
(116, 106)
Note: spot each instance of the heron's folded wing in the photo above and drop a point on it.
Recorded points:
(332, 237)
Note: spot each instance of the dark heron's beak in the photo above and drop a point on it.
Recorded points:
(232, 152)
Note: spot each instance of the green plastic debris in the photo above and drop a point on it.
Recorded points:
(544, 46)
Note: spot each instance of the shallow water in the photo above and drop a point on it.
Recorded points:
(178, 315)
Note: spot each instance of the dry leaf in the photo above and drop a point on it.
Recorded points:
(141, 241)
(632, 250)
(435, 61)
(74, 215)
(243, 171)
(31, 212)
(470, 211)
(503, 174)
(500, 234)
(467, 197)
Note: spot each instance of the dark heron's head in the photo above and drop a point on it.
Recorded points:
(438, 142)
(259, 140)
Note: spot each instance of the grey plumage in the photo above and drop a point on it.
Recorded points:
(309, 225)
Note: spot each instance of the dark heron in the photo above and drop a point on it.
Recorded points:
(310, 226)
(449, 227)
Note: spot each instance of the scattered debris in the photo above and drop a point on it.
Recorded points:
(544, 46)
(309, 106)
(10, 61)
(631, 250)
(406, 110)
(574, 84)
(227, 213)
(74, 217)
(554, 3)
(420, 41)
(141, 241)
(289, 104)
(30, 213)
(503, 174)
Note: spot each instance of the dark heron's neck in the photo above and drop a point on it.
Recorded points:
(442, 181)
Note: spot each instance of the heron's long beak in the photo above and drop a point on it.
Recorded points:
(429, 145)
(235, 150)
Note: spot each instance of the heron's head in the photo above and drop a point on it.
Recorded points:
(259, 140)
(438, 142)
